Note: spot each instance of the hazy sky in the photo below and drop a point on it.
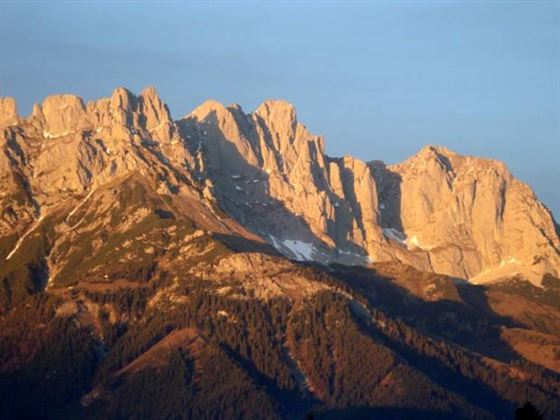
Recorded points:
(378, 79)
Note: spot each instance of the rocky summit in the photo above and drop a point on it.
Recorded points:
(438, 211)
(223, 266)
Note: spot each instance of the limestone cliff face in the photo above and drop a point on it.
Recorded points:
(269, 171)
(437, 211)
(469, 214)
(8, 111)
(65, 154)
(65, 148)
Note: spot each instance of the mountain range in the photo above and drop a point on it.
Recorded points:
(223, 266)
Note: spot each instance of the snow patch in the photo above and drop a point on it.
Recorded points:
(25, 235)
(80, 204)
(510, 260)
(366, 259)
(49, 135)
(302, 250)
(275, 243)
(508, 268)
(298, 250)
(413, 241)
(395, 234)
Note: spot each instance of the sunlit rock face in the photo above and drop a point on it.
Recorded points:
(8, 111)
(437, 211)
(470, 215)
(272, 173)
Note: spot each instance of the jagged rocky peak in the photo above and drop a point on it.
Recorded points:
(37, 112)
(278, 118)
(146, 111)
(472, 217)
(124, 105)
(279, 115)
(212, 113)
(64, 149)
(285, 143)
(440, 158)
(434, 150)
(154, 109)
(210, 106)
(273, 172)
(8, 111)
(62, 114)
(236, 110)
(437, 211)
(225, 133)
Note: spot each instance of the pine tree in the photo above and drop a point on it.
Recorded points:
(528, 412)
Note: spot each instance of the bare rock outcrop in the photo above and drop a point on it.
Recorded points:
(63, 115)
(437, 211)
(8, 111)
(470, 215)
(65, 148)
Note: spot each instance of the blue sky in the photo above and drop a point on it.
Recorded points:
(378, 79)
